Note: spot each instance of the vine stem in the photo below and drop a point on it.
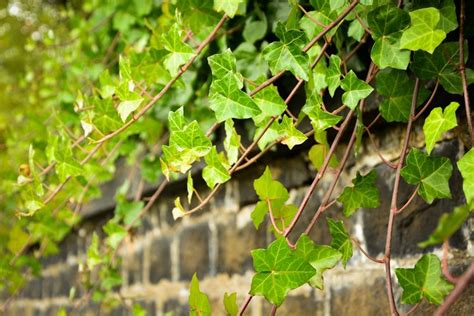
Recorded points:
(461, 284)
(273, 311)
(444, 263)
(393, 206)
(462, 70)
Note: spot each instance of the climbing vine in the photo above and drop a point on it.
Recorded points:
(186, 89)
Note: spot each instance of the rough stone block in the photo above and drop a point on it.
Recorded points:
(176, 307)
(369, 300)
(194, 251)
(160, 259)
(134, 265)
(297, 305)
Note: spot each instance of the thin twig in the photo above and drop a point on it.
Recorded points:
(444, 263)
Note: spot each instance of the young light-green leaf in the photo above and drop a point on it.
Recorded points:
(430, 173)
(438, 122)
(279, 270)
(340, 239)
(333, 74)
(424, 280)
(291, 136)
(363, 193)
(198, 301)
(423, 33)
(179, 52)
(215, 172)
(229, 7)
(355, 90)
(448, 224)
(269, 189)
(230, 304)
(321, 258)
(466, 167)
(231, 142)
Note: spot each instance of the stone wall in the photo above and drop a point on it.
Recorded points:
(160, 259)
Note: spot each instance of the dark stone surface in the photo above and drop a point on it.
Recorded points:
(234, 246)
(177, 308)
(194, 251)
(160, 259)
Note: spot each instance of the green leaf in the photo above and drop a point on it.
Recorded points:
(128, 106)
(214, 172)
(448, 224)
(190, 187)
(223, 66)
(356, 30)
(424, 280)
(229, 7)
(115, 233)
(439, 122)
(279, 270)
(283, 216)
(291, 136)
(17, 239)
(66, 169)
(269, 189)
(143, 7)
(423, 33)
(466, 167)
(231, 142)
(443, 64)
(128, 211)
(179, 52)
(333, 74)
(137, 310)
(321, 258)
(340, 239)
(259, 212)
(187, 136)
(430, 173)
(320, 119)
(397, 89)
(363, 194)
(356, 90)
(198, 301)
(269, 102)
(317, 154)
(178, 210)
(230, 304)
(94, 257)
(387, 23)
(286, 54)
(448, 19)
(254, 30)
(228, 101)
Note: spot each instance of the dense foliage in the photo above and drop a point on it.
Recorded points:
(166, 84)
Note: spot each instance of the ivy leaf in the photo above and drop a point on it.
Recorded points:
(229, 7)
(424, 280)
(188, 136)
(430, 173)
(254, 30)
(286, 54)
(128, 211)
(317, 154)
(128, 106)
(397, 89)
(363, 193)
(94, 257)
(259, 212)
(190, 187)
(18, 239)
(320, 119)
(198, 301)
(180, 52)
(116, 233)
(333, 74)
(423, 34)
(178, 210)
(231, 142)
(230, 304)
(214, 172)
(321, 258)
(355, 88)
(387, 23)
(283, 215)
(223, 66)
(448, 19)
(439, 122)
(448, 224)
(291, 136)
(66, 165)
(269, 102)
(279, 270)
(466, 167)
(340, 239)
(228, 101)
(268, 189)
(443, 65)
(356, 30)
